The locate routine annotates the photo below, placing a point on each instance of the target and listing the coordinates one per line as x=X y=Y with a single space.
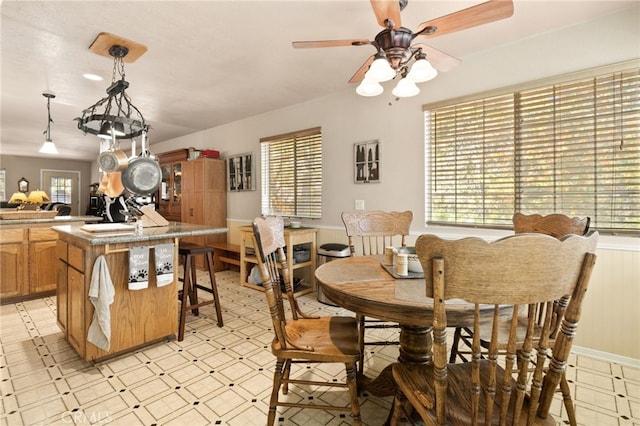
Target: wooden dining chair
x=369 y=233
x=301 y=338
x=556 y=225
x=502 y=386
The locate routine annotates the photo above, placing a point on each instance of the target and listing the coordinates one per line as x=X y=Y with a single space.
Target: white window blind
x=292 y=174
x=571 y=148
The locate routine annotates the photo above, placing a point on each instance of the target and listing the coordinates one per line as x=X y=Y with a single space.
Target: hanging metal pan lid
x=142 y=177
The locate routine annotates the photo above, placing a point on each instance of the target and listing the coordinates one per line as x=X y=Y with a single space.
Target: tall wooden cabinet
x=204 y=198
x=169 y=196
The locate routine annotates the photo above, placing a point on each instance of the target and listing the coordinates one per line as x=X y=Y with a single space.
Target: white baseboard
x=606 y=356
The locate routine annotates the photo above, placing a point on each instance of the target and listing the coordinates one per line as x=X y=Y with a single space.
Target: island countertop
x=51 y=221
x=173 y=230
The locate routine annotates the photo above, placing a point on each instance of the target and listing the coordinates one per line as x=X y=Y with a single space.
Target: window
x=61 y=189
x=569 y=147
x=292 y=174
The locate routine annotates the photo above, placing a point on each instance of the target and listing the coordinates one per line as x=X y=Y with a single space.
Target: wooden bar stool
x=190 y=284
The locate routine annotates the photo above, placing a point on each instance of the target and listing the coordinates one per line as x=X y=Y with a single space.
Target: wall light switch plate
x=359 y=204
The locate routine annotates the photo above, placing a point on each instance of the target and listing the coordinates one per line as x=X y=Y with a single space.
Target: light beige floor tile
x=223 y=375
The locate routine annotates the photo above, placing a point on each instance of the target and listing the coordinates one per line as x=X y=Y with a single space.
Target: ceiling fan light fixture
x=380 y=70
x=406 y=88
x=369 y=87
x=422 y=71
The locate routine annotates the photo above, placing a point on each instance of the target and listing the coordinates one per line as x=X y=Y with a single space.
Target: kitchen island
x=28 y=253
x=136 y=317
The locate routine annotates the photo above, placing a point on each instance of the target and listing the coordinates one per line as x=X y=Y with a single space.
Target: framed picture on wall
x=367 y=162
x=3 y=184
x=241 y=172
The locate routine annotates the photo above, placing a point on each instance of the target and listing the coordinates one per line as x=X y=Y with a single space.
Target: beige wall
x=347 y=118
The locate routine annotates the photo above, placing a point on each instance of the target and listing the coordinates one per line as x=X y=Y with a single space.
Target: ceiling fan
x=396 y=48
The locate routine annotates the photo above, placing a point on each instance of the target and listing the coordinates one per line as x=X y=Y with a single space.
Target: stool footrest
x=201 y=287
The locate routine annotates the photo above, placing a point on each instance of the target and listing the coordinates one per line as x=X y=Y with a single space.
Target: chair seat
x=504 y=325
x=417 y=382
x=190 y=248
x=313 y=333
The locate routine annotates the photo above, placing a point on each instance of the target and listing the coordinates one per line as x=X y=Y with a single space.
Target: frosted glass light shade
x=380 y=70
x=422 y=71
x=406 y=88
x=48 y=147
x=369 y=87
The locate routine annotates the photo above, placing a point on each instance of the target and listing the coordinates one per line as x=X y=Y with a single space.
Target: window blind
x=292 y=174
x=571 y=148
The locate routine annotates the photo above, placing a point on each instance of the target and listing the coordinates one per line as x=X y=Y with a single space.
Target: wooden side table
x=292 y=237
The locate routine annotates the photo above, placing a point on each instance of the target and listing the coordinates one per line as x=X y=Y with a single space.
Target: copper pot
x=114 y=160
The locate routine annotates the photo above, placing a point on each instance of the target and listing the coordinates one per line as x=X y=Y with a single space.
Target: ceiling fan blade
x=483 y=13
x=359 y=75
x=387 y=9
x=330 y=43
x=440 y=60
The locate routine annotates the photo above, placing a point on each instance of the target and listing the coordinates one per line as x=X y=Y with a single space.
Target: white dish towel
x=101 y=294
x=138 y=267
x=164 y=264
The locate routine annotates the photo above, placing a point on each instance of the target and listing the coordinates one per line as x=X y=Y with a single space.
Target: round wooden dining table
x=362 y=285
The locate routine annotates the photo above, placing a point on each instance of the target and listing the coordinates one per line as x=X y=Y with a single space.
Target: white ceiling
x=212 y=62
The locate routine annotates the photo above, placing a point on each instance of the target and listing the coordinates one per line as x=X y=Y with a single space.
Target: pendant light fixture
x=48 y=147
x=115 y=116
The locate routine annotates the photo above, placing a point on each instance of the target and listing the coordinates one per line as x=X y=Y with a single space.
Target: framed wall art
x=241 y=172
x=367 y=162
x=3 y=184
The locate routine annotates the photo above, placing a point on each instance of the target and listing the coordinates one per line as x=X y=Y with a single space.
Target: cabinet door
x=165 y=185
x=12 y=272
x=42 y=266
x=75 y=315
x=62 y=295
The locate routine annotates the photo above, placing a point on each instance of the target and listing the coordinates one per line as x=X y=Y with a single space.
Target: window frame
x=295 y=158
x=632 y=227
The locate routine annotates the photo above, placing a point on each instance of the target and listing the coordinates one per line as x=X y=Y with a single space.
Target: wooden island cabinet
x=137 y=317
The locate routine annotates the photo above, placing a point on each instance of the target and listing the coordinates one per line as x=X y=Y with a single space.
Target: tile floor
x=218 y=376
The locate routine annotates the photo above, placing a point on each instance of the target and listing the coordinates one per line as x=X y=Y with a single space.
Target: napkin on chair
x=138 y=267
x=101 y=294
x=164 y=264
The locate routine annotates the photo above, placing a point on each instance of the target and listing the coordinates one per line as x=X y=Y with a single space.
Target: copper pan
x=111 y=184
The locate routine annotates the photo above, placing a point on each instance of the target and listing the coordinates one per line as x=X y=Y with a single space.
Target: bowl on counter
x=295 y=224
